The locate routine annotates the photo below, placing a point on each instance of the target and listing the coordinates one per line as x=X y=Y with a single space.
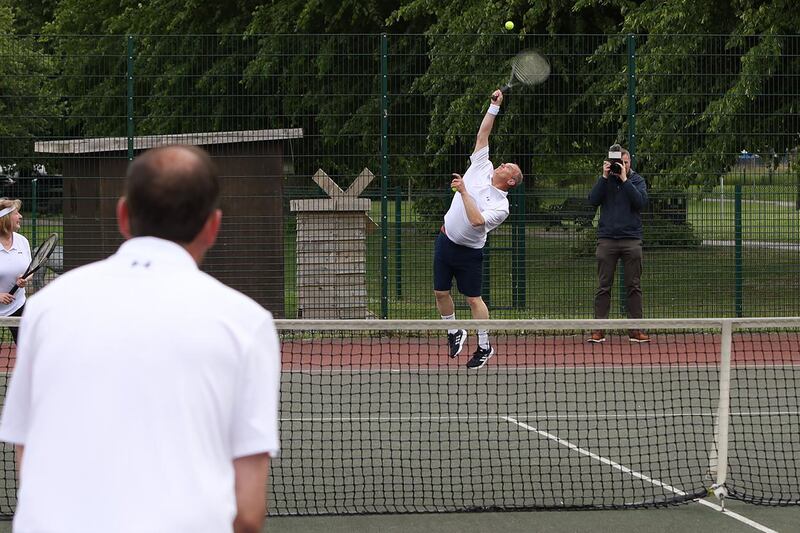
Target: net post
x=723 y=410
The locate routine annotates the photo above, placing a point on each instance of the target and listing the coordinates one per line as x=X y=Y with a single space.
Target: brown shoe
x=636 y=335
x=598 y=335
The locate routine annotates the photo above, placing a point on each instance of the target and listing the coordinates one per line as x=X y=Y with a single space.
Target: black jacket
x=621 y=205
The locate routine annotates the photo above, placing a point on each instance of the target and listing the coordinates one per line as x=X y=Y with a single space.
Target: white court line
x=737 y=516
x=638 y=475
x=490 y=418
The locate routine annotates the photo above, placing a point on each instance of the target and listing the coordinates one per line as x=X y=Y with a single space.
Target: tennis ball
x=509 y=25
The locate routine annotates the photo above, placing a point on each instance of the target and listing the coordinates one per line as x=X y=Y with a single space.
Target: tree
x=31 y=16
x=28 y=106
x=710 y=78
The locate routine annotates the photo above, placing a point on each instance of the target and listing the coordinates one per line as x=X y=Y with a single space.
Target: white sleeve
x=480 y=156
x=16 y=411
x=493 y=218
x=256 y=410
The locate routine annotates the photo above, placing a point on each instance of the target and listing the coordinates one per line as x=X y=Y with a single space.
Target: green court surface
x=685 y=518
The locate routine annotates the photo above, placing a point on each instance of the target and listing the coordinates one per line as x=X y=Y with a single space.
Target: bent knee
x=474 y=300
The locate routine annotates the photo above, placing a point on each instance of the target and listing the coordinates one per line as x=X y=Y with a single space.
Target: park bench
x=572 y=212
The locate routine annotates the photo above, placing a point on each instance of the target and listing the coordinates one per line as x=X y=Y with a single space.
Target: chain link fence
x=336 y=153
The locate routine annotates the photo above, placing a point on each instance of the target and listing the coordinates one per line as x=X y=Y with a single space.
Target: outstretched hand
x=457 y=185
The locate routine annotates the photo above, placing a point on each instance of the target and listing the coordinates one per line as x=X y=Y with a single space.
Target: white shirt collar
x=14 y=237
x=501 y=191
x=153 y=249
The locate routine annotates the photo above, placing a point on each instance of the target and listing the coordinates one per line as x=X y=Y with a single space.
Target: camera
x=615 y=158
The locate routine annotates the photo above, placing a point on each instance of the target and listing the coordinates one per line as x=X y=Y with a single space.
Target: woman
x=15 y=256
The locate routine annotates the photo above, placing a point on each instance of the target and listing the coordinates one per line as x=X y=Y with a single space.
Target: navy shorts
x=451 y=260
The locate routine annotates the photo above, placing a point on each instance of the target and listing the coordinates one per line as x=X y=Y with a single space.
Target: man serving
x=479 y=206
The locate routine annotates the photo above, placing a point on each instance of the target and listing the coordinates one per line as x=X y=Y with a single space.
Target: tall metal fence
x=336 y=154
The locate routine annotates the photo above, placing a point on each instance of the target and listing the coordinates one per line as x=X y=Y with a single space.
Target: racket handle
x=14 y=289
x=505 y=88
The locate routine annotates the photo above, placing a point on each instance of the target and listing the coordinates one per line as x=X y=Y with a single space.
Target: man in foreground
x=145 y=394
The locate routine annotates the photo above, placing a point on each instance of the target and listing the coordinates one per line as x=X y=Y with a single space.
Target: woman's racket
x=528 y=67
x=40 y=257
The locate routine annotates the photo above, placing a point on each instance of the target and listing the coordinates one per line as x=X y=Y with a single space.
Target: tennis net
x=376 y=418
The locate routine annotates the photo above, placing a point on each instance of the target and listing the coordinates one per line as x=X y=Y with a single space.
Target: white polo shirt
x=491 y=201
x=138 y=380
x=13 y=263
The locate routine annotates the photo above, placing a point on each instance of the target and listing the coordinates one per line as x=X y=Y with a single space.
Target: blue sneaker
x=480 y=357
x=456 y=342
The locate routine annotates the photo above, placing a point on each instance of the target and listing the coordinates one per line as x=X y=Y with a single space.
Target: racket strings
x=44 y=251
x=531 y=68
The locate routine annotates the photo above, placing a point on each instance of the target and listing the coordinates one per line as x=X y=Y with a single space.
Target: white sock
x=450 y=317
x=483 y=338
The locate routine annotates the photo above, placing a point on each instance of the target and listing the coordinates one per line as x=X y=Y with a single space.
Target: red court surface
x=519 y=350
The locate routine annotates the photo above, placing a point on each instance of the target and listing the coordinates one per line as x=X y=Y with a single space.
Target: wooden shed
x=249 y=254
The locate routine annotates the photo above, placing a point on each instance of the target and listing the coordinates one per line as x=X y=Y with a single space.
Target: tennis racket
x=40 y=257
x=528 y=67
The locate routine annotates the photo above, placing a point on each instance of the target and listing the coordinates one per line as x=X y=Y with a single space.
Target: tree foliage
x=710 y=77
x=28 y=105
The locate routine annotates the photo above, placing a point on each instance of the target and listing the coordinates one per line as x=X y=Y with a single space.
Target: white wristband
x=493 y=109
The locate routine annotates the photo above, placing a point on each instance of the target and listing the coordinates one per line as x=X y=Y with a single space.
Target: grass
x=758 y=175
x=560 y=282
x=45 y=225
x=677 y=282
x=762 y=220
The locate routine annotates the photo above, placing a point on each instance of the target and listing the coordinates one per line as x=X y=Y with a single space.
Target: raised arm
x=487 y=123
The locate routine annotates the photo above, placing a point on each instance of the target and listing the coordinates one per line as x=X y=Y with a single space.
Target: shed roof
x=120 y=144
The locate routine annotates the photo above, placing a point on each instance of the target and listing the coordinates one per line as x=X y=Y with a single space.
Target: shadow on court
x=690 y=517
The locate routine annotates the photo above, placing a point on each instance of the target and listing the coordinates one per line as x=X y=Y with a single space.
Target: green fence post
x=34 y=211
x=632 y=98
x=398 y=241
x=797 y=188
x=384 y=175
x=129 y=78
x=518 y=249
x=737 y=237
x=631 y=40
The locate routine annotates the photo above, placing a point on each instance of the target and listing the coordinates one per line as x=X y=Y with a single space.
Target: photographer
x=621 y=194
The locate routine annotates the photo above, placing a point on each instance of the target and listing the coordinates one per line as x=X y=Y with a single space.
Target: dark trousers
x=608 y=253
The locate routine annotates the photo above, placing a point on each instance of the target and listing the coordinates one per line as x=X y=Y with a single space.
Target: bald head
x=507 y=176
x=171 y=192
